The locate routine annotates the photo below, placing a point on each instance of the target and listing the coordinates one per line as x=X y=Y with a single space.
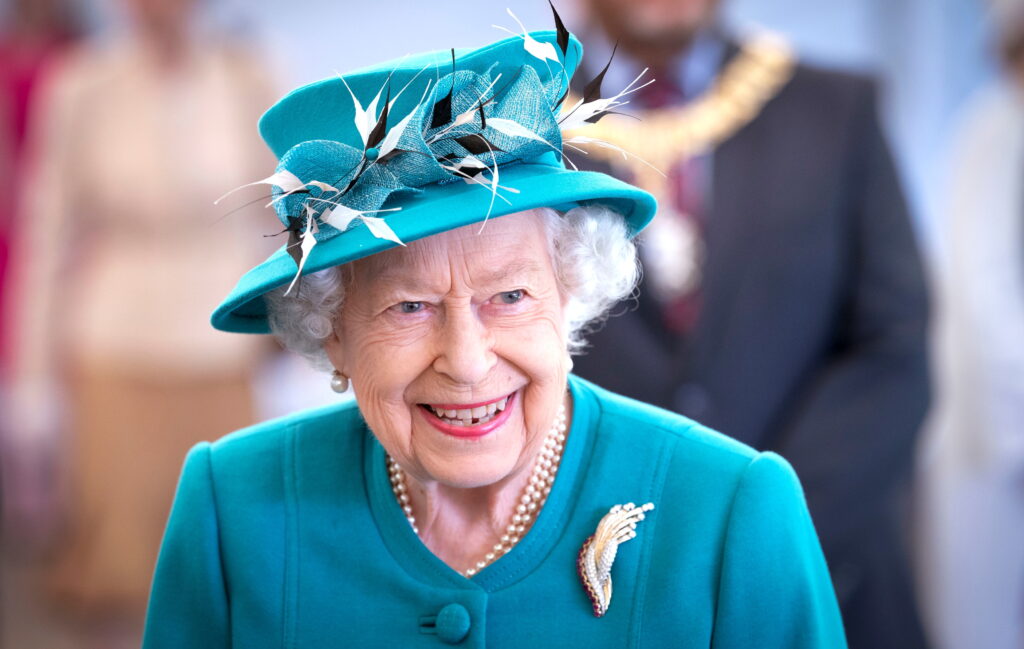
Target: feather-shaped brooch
x=594 y=562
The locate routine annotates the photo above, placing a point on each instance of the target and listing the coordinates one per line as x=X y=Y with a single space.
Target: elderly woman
x=475 y=493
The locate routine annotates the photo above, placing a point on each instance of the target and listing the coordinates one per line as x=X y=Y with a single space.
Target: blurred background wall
x=930 y=56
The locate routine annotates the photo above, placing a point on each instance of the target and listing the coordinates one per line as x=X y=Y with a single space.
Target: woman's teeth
x=470 y=416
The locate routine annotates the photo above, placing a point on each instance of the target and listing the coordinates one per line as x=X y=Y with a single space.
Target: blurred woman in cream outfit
x=971 y=496
x=135 y=142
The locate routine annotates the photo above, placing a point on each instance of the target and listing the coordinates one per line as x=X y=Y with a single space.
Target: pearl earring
x=339 y=382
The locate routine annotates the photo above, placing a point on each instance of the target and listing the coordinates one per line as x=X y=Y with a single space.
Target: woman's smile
x=469 y=420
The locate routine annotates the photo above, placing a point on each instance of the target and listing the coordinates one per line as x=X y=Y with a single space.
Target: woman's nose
x=465 y=353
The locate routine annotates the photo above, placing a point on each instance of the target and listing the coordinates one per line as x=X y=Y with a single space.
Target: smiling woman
x=475 y=492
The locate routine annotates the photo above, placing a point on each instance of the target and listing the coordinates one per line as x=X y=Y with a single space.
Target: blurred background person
x=783 y=299
x=971 y=484
x=131 y=142
x=34 y=33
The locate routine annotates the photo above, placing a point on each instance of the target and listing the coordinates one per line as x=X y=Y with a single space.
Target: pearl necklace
x=534 y=495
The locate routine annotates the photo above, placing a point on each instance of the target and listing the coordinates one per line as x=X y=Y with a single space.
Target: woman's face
x=437 y=336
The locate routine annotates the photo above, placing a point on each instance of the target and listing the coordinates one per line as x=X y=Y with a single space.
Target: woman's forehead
x=510 y=246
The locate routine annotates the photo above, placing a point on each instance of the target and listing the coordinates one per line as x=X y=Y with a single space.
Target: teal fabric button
x=453 y=623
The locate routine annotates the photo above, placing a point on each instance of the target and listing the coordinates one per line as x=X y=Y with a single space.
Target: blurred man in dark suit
x=783 y=300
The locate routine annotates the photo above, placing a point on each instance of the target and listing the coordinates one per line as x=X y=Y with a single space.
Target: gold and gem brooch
x=595 y=559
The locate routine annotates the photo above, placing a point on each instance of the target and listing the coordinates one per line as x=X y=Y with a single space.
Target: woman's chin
x=470 y=473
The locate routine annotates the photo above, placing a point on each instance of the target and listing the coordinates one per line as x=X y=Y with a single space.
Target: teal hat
x=407 y=149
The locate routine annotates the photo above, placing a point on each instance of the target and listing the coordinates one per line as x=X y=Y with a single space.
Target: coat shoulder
x=630 y=423
x=268 y=440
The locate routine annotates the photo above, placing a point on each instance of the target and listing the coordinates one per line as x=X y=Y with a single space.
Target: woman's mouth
x=469 y=416
x=469 y=420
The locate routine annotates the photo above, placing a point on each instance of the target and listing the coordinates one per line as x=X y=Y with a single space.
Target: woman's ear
x=334 y=348
x=334 y=345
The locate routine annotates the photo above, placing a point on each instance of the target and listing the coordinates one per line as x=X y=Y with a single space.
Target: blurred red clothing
x=23 y=62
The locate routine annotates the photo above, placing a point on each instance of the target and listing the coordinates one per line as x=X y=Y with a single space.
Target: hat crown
x=401 y=126
x=324 y=110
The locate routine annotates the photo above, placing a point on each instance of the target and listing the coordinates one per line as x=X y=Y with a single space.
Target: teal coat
x=288 y=535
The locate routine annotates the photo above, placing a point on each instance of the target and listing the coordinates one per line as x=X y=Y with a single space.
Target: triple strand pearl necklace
x=534 y=495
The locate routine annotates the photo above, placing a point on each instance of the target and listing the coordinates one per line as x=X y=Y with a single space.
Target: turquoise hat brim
x=437 y=208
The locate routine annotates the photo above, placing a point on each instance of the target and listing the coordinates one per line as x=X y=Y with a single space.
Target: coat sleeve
x=852 y=431
x=188 y=606
x=774 y=587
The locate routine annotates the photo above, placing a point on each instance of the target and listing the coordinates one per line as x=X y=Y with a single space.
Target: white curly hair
x=595 y=264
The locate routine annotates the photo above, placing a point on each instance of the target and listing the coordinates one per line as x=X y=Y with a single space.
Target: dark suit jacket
x=811 y=338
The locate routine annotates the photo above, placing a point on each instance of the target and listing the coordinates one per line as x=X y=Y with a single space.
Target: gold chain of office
x=664 y=136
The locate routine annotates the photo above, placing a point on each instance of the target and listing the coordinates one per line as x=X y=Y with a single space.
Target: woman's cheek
x=387 y=415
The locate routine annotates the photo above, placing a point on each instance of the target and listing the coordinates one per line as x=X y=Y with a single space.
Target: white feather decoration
x=391 y=139
x=306 y=246
x=340 y=216
x=364 y=118
x=513 y=128
x=582 y=139
x=542 y=51
x=286 y=180
x=380 y=229
x=322 y=186
x=577 y=116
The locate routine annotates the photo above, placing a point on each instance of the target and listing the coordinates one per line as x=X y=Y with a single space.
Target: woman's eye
x=510 y=297
x=410 y=307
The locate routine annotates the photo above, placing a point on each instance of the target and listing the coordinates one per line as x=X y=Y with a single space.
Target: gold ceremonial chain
x=665 y=136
